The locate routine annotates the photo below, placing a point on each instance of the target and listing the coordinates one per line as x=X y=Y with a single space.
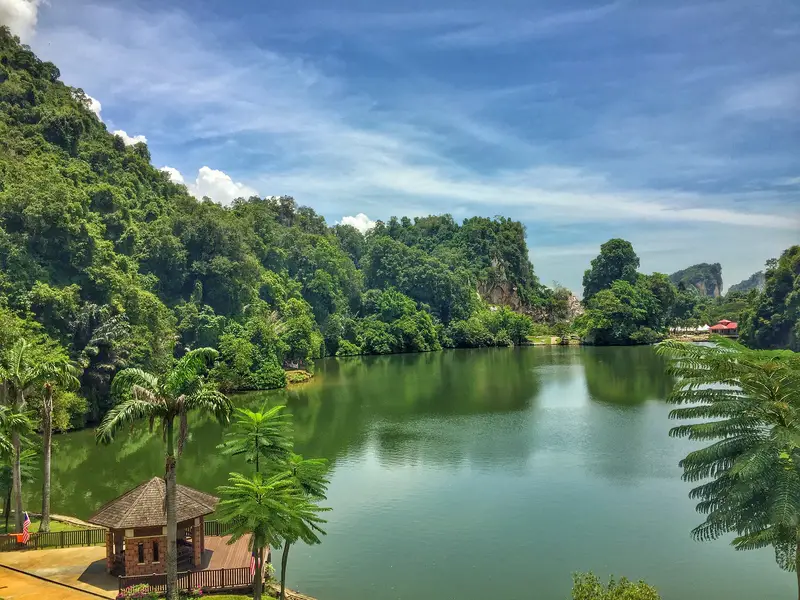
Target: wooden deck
x=220 y=555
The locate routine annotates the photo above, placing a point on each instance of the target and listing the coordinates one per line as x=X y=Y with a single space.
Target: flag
x=253 y=563
x=26 y=525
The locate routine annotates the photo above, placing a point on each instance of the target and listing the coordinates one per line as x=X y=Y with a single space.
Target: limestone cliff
x=705 y=277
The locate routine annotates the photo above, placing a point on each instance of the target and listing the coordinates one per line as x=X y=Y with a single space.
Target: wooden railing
x=216 y=528
x=212 y=580
x=55 y=539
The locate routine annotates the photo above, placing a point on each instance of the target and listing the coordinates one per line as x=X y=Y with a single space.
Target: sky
x=673 y=124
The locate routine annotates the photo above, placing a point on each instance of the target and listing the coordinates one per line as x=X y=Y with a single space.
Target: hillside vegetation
x=705 y=278
x=102 y=256
x=754 y=282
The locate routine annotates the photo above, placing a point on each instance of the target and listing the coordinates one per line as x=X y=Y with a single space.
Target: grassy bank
x=35 y=523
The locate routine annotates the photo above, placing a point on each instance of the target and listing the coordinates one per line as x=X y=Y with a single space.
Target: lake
x=469 y=474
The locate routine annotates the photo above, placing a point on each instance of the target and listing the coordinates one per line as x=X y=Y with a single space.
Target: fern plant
x=745 y=405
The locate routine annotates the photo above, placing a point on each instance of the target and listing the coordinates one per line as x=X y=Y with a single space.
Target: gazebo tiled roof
x=144 y=506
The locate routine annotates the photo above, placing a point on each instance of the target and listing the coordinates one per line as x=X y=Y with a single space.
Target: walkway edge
x=66 y=585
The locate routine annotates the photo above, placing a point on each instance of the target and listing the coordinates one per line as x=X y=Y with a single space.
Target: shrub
x=348 y=349
x=141 y=591
x=269 y=376
x=587 y=586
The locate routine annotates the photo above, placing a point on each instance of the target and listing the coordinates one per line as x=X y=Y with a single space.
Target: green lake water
x=470 y=474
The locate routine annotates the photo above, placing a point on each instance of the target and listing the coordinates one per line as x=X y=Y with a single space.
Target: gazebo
x=136 y=539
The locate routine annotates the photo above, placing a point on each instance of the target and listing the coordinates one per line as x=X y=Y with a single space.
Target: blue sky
x=673 y=124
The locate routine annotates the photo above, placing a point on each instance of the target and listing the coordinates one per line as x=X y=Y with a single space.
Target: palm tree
x=749 y=405
x=262 y=507
x=164 y=399
x=260 y=436
x=309 y=477
x=9 y=422
x=20 y=375
x=59 y=373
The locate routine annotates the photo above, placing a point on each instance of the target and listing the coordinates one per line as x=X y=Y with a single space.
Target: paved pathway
x=81 y=567
x=18 y=586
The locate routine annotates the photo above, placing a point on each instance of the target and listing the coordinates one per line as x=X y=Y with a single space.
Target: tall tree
x=749 y=404
x=24 y=368
x=262 y=437
x=66 y=375
x=167 y=399
x=260 y=507
x=309 y=478
x=616 y=260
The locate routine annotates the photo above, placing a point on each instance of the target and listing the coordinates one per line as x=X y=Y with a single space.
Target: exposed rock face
x=504 y=293
x=705 y=277
x=501 y=293
x=575 y=307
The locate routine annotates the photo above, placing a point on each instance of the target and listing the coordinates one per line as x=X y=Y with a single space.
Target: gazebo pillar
x=197 y=542
x=109 y=551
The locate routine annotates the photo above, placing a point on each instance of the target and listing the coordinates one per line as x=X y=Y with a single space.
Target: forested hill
x=706 y=278
x=756 y=281
x=102 y=253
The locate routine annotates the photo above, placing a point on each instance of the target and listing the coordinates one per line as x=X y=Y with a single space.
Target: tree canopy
x=616 y=261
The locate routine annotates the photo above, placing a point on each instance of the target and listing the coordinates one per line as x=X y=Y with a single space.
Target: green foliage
x=587 y=586
x=623 y=314
x=616 y=261
x=746 y=404
x=278 y=504
x=704 y=278
x=773 y=320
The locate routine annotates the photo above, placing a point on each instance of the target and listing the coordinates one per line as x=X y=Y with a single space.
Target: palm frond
x=126 y=413
x=127 y=378
x=210 y=400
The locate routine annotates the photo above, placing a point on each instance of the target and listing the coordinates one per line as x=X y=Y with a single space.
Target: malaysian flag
x=253 y=563
x=26 y=525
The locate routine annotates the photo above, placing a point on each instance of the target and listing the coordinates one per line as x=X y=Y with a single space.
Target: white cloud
x=213 y=183
x=128 y=139
x=361 y=222
x=94 y=104
x=20 y=16
x=174 y=175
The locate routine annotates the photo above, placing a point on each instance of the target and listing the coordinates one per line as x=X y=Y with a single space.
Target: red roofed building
x=725 y=327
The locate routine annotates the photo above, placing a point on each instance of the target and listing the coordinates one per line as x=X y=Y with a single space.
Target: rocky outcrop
x=705 y=277
x=504 y=293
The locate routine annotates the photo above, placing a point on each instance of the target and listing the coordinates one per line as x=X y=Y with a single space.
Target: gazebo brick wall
x=148 y=567
x=109 y=550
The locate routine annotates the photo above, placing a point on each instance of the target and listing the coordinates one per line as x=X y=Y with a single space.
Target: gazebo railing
x=209 y=580
x=216 y=528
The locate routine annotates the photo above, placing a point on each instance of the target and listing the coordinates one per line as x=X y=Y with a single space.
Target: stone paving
x=81 y=567
x=18 y=586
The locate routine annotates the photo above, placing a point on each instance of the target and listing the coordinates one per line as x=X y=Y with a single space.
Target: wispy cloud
x=512 y=28
x=774 y=96
x=618 y=140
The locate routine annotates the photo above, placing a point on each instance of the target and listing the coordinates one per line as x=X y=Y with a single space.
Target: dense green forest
x=106 y=260
x=706 y=278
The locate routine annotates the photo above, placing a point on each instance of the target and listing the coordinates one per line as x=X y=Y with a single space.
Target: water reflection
x=625 y=376
x=482 y=409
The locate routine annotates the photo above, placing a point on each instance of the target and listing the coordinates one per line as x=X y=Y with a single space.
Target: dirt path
x=18 y=586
